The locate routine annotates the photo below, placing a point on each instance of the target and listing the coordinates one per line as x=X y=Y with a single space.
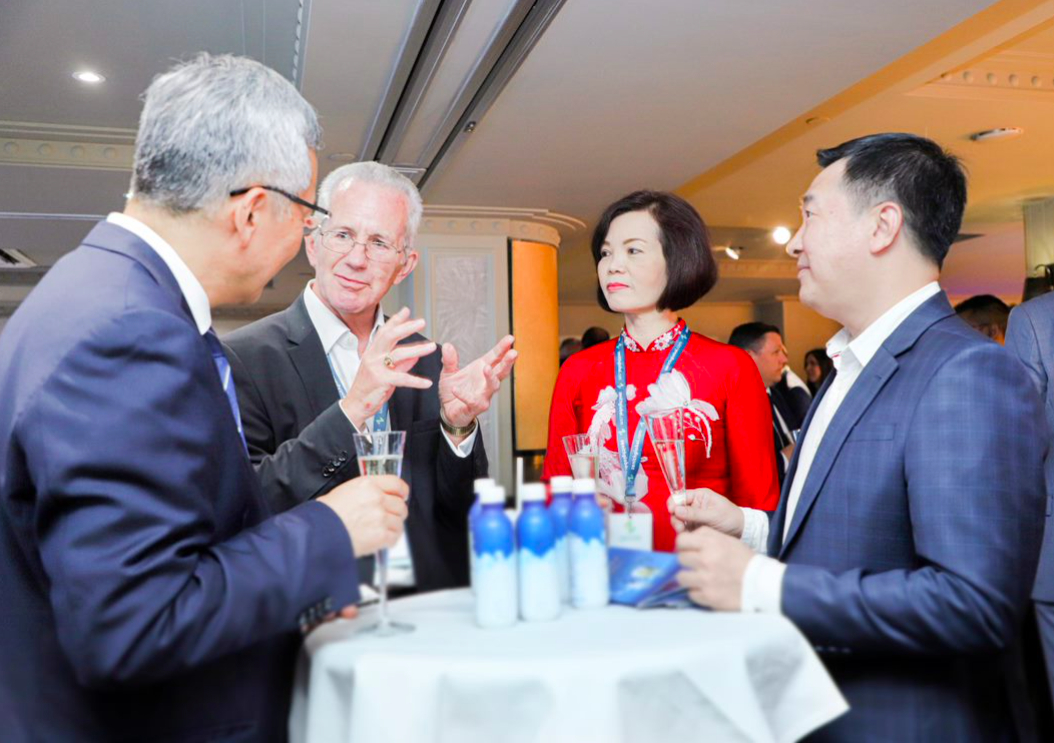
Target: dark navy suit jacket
x=146 y=595
x=913 y=547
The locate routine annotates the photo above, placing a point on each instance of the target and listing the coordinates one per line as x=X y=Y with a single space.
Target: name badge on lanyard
x=630 y=458
x=379 y=422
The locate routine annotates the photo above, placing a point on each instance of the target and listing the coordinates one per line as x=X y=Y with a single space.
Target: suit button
x=327 y=471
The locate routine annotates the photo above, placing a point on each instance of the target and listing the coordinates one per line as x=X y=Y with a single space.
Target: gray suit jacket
x=1030 y=337
x=300 y=440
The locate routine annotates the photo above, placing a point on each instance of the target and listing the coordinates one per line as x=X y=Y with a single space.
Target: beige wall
x=713 y=319
x=802 y=328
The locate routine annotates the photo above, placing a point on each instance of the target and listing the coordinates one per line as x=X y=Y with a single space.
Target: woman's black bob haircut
x=691 y=270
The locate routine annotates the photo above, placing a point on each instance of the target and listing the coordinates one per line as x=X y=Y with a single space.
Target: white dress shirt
x=192 y=290
x=763 y=580
x=342 y=351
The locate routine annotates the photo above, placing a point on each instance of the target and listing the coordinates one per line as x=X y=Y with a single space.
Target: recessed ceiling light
x=89 y=77
x=781 y=235
x=1002 y=132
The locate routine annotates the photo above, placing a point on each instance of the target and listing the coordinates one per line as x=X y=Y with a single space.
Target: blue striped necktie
x=223 y=367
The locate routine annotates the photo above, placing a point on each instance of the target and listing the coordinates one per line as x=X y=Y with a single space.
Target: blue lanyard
x=380 y=420
x=630 y=460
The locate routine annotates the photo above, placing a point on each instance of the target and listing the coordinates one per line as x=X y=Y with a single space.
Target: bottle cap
x=583 y=485
x=532 y=492
x=492 y=495
x=480 y=483
x=560 y=484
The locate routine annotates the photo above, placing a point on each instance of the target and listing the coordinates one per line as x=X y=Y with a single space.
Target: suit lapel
x=863 y=392
x=309 y=359
x=872 y=379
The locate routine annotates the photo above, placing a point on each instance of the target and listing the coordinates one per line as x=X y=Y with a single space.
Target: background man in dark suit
x=764 y=344
x=146 y=593
x=986 y=314
x=905 y=544
x=310 y=376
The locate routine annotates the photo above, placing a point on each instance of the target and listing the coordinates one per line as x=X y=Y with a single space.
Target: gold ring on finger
x=389 y=361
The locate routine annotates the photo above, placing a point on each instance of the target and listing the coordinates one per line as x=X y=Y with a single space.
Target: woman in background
x=652 y=254
x=817 y=366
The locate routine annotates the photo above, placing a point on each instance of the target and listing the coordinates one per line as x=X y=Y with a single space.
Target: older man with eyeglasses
x=331 y=364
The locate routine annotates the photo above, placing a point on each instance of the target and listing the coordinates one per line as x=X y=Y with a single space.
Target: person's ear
x=245 y=213
x=311 y=246
x=887 y=221
x=408 y=266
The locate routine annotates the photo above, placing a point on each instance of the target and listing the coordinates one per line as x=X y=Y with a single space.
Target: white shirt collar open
x=330 y=328
x=863 y=347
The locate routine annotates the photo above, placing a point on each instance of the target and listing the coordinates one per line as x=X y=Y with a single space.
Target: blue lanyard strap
x=380 y=419
x=630 y=459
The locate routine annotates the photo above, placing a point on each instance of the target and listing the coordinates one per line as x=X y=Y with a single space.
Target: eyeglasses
x=295 y=199
x=342 y=241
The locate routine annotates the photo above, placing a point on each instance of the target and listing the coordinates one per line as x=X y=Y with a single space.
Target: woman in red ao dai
x=653 y=258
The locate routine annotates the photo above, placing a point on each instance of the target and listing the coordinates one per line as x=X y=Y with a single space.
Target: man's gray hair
x=216 y=124
x=380 y=174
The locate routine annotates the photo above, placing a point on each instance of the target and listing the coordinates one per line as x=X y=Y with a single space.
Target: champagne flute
x=381 y=453
x=666 y=430
x=582 y=455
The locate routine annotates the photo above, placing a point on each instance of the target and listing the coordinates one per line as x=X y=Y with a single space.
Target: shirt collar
x=863 y=347
x=661 y=343
x=329 y=327
x=193 y=291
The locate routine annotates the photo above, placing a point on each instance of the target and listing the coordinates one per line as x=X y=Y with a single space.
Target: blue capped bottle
x=539 y=574
x=477 y=485
x=560 y=513
x=494 y=546
x=590 y=587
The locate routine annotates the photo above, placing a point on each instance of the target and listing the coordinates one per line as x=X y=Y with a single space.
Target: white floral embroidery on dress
x=610 y=481
x=671 y=392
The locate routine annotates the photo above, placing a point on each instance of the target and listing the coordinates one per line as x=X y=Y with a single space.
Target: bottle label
x=590 y=586
x=496 y=590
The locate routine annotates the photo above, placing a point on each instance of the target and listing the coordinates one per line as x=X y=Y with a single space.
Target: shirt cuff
x=465 y=447
x=762 y=586
x=345 y=412
x=755 y=529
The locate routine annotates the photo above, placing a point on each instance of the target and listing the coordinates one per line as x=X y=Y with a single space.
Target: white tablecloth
x=612 y=674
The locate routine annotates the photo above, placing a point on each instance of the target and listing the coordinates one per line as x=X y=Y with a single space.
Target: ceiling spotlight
x=89 y=77
x=1002 y=132
x=781 y=235
x=732 y=253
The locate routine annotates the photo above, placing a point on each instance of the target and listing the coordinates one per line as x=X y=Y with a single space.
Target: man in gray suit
x=312 y=375
x=1030 y=336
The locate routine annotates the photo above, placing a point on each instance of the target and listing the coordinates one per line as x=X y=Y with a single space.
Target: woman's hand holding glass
x=704 y=507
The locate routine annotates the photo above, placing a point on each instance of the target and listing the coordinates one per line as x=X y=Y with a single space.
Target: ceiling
x=598 y=99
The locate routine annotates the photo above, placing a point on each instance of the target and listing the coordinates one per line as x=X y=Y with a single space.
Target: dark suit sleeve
x=973 y=470
x=142 y=582
x=453 y=487
x=296 y=470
